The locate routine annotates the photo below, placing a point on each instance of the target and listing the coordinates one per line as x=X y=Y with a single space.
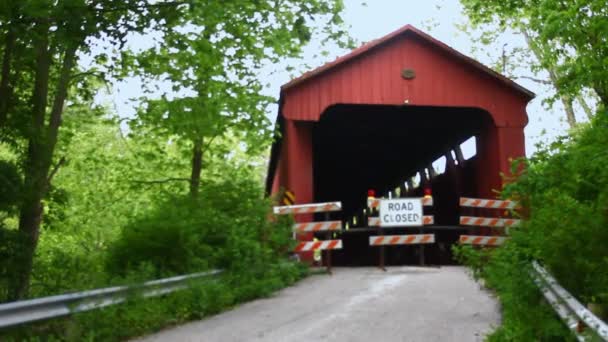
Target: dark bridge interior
x=361 y=147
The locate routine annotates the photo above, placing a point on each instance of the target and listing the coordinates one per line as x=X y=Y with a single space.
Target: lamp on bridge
x=428 y=192
x=371 y=194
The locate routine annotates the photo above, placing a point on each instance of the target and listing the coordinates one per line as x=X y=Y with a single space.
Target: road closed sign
x=401 y=212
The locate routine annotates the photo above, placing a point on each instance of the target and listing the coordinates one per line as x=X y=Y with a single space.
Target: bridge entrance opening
x=381 y=147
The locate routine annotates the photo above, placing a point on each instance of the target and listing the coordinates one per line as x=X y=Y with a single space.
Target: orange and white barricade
x=382 y=240
x=414 y=239
x=306 y=246
x=482 y=240
x=489 y=222
x=308 y=208
x=487 y=203
x=313 y=227
x=307 y=227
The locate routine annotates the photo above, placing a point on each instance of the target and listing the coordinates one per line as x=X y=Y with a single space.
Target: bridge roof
x=372 y=74
x=407 y=29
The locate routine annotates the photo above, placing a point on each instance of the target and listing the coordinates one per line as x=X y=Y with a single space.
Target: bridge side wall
x=496 y=147
x=295 y=169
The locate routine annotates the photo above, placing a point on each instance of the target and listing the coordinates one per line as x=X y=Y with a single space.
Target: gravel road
x=358 y=304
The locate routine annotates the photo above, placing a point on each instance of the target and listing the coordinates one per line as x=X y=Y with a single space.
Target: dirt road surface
x=358 y=304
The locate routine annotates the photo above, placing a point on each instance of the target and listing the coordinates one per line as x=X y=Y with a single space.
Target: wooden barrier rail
x=308 y=208
x=487 y=203
x=306 y=246
x=401 y=239
x=307 y=227
x=482 y=240
x=487 y=221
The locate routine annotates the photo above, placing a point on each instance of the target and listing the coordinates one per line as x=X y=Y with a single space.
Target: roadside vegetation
x=92 y=198
x=564 y=193
x=563 y=187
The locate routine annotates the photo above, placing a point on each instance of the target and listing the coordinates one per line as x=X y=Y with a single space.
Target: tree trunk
x=566 y=99
x=197 y=165
x=30 y=213
x=585 y=106
x=5 y=90
x=40 y=155
x=603 y=95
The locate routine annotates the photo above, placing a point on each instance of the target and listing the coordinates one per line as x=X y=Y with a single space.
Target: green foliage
x=10 y=184
x=209 y=52
x=564 y=191
x=569 y=37
x=226 y=227
x=113 y=226
x=115 y=215
x=10 y=254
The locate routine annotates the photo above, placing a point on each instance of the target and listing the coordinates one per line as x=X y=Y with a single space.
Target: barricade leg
x=328 y=251
x=381 y=251
x=421 y=249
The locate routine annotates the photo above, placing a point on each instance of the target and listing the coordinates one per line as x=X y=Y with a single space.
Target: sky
x=373 y=19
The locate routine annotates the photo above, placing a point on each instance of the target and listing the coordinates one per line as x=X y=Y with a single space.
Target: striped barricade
x=307 y=227
x=307 y=246
x=374 y=203
x=488 y=221
x=478 y=240
x=312 y=227
x=487 y=203
x=308 y=208
x=426 y=220
x=416 y=239
x=491 y=222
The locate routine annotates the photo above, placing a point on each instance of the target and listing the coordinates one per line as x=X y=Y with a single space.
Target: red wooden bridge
x=384 y=113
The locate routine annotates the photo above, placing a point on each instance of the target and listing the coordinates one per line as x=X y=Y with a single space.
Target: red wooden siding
x=375 y=78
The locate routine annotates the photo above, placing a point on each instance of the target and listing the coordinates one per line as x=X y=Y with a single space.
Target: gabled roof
x=405 y=30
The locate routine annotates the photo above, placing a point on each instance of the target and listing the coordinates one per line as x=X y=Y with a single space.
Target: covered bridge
x=384 y=113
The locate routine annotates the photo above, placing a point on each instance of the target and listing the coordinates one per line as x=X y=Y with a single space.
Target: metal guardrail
x=31 y=310
x=570 y=310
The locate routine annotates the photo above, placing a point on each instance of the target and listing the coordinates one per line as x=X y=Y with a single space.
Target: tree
x=40 y=76
x=568 y=38
x=47 y=37
x=533 y=56
x=223 y=85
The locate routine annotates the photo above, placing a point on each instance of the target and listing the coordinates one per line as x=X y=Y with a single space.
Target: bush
x=227 y=226
x=564 y=190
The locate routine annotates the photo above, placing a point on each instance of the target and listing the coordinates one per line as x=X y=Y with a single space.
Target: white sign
x=401 y=212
